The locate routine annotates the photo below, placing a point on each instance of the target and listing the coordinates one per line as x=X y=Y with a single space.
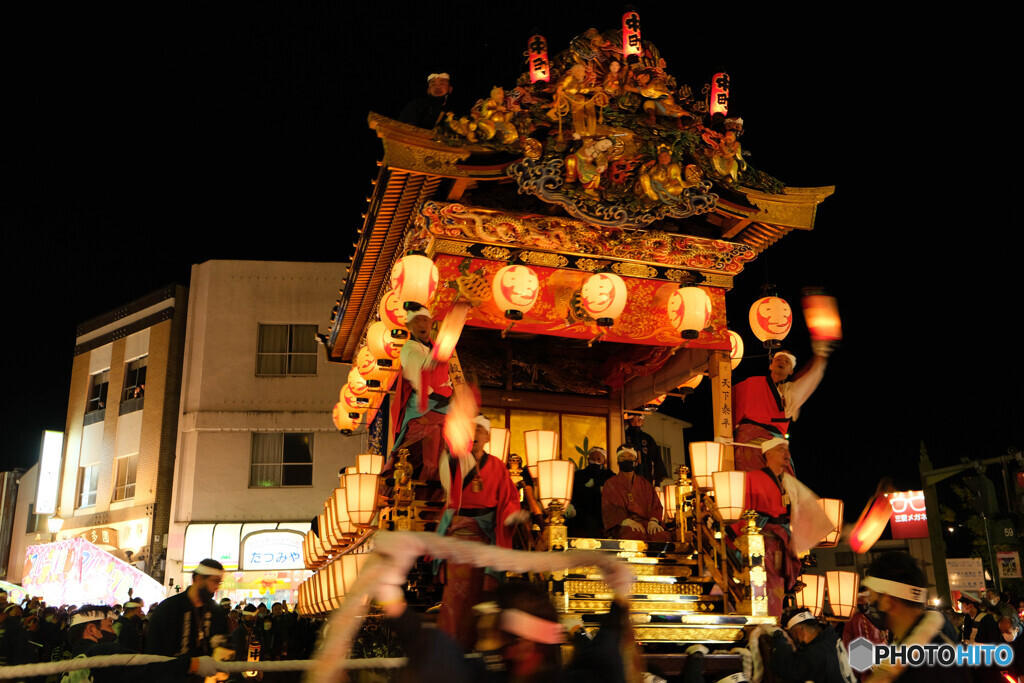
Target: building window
x=88 y=482
x=281 y=460
x=286 y=350
x=97 y=392
x=134 y=385
x=124 y=477
x=33 y=520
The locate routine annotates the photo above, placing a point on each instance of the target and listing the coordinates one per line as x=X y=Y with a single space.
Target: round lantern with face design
x=735 y=348
x=392 y=314
x=603 y=297
x=414 y=281
x=379 y=343
x=342 y=420
x=689 y=311
x=771 y=319
x=515 y=290
x=366 y=365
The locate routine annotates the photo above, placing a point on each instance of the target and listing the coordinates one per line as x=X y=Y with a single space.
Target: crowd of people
x=189 y=627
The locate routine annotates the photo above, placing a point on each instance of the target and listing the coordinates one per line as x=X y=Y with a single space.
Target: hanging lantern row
x=326 y=590
x=347 y=511
x=414 y=281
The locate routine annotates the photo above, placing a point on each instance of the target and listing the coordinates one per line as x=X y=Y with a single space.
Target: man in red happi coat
x=630 y=507
x=483 y=506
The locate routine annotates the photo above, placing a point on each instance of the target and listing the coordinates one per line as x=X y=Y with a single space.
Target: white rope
x=51 y=668
x=397 y=550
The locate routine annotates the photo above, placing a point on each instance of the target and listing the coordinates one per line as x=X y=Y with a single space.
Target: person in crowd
x=650 y=464
x=92 y=634
x=765 y=405
x=247 y=640
x=998 y=605
x=128 y=626
x=586 y=495
x=819 y=655
x=630 y=508
x=14 y=643
x=897 y=591
x=983 y=627
x=482 y=506
x=858 y=626
x=187 y=623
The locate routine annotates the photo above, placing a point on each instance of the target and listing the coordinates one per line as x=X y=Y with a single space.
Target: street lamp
x=54 y=525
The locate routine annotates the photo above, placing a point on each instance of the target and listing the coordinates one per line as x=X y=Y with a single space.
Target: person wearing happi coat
x=482 y=506
x=789 y=519
x=765 y=405
x=422 y=399
x=630 y=508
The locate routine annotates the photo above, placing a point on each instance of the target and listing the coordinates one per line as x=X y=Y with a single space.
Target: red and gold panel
x=559 y=313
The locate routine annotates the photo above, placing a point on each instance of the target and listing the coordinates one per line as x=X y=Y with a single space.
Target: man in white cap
x=422 y=399
x=819 y=656
x=630 y=507
x=91 y=634
x=425 y=112
x=764 y=405
x=483 y=506
x=188 y=623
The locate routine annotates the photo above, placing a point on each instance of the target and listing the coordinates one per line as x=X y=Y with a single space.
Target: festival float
x=575 y=236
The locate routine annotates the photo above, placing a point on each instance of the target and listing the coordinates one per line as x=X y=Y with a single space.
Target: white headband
x=788 y=355
x=206 y=570
x=799 y=617
x=483 y=422
x=412 y=315
x=440 y=75
x=772 y=443
x=88 y=617
x=895 y=589
x=533 y=628
x=625 y=449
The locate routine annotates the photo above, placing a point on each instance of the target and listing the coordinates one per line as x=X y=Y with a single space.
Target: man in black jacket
x=819 y=655
x=184 y=624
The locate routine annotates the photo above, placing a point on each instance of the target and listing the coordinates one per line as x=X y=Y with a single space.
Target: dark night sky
x=146 y=140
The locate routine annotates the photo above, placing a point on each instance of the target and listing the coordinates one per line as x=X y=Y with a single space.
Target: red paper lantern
x=351 y=402
x=735 y=348
x=718 y=103
x=537 y=59
x=689 y=311
x=821 y=313
x=449 y=333
x=342 y=421
x=381 y=345
x=771 y=318
x=603 y=297
x=515 y=290
x=414 y=281
x=631 y=34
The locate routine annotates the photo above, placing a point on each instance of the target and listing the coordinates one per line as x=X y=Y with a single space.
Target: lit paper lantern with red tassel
x=735 y=348
x=392 y=314
x=537 y=59
x=689 y=311
x=771 y=318
x=515 y=290
x=449 y=332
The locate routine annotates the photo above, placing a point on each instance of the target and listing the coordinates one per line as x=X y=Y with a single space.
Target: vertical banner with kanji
x=720 y=374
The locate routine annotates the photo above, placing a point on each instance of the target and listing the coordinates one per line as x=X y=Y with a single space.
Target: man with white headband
x=91 y=634
x=630 y=507
x=820 y=655
x=764 y=405
x=189 y=623
x=422 y=399
x=425 y=112
x=482 y=506
x=128 y=626
x=897 y=593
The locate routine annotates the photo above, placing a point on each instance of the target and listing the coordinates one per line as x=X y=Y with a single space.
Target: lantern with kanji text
x=631 y=45
x=537 y=59
x=718 y=102
x=603 y=297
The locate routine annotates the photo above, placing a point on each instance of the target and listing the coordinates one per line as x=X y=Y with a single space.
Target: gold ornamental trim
x=717 y=280
x=540 y=258
x=496 y=253
x=588 y=264
x=683 y=633
x=585 y=544
x=452 y=247
x=634 y=270
x=681 y=276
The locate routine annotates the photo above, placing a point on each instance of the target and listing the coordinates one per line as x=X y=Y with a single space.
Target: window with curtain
x=281 y=460
x=286 y=350
x=124 y=477
x=88 y=483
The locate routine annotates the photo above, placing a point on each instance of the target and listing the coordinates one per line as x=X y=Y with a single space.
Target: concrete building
x=113 y=483
x=257 y=450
